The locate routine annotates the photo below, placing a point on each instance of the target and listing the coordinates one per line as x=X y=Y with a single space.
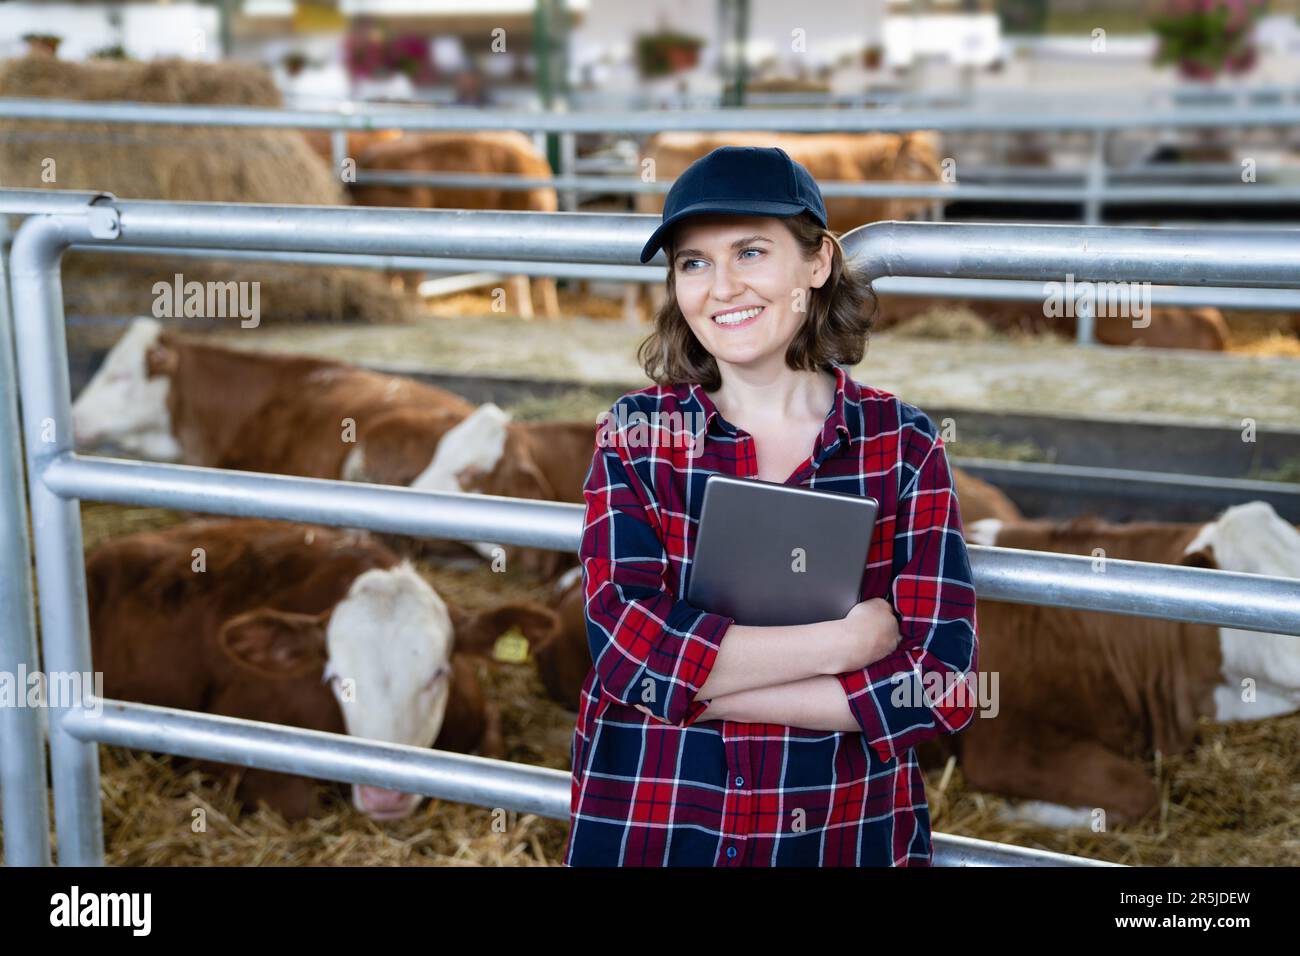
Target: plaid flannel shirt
x=668 y=790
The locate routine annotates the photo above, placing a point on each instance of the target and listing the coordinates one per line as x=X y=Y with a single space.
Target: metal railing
x=1095 y=190
x=58 y=478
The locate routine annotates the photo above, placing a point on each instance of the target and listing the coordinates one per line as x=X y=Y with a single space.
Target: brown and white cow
x=166 y=397
x=486 y=152
x=358 y=141
x=295 y=624
x=1086 y=697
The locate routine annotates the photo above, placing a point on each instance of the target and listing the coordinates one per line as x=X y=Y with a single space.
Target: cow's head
x=483 y=455
x=917 y=157
x=395 y=445
x=915 y=160
x=385 y=652
x=1252 y=539
x=124 y=406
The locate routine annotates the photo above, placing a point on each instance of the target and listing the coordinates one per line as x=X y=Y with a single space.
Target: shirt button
x=740 y=781
x=731 y=852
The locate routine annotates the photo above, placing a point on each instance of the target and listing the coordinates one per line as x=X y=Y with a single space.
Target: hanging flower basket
x=370 y=54
x=1205 y=38
x=662 y=54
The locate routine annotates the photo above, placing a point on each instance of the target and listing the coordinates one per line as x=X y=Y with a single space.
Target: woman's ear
x=822 y=263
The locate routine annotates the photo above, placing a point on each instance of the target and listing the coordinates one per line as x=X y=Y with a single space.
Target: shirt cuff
x=869 y=689
x=709 y=630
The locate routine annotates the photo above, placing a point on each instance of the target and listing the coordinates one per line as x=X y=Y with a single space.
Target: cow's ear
x=276 y=643
x=476 y=632
x=1201 y=558
x=161 y=358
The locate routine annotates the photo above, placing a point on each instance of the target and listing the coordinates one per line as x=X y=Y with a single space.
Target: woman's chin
x=746 y=357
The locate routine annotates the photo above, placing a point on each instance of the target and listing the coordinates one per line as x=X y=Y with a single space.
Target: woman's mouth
x=739 y=318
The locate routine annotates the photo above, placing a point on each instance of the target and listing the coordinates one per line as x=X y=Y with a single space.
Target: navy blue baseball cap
x=741 y=181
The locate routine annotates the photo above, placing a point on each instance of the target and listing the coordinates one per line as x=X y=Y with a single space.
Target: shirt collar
x=836 y=423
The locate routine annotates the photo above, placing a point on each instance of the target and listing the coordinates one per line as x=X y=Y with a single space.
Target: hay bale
x=184 y=164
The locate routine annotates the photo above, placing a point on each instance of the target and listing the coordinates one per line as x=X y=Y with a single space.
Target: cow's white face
x=389 y=643
x=473 y=447
x=121 y=407
x=984 y=531
x=1252 y=539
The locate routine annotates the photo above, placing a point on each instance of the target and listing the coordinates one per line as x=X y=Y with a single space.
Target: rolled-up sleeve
x=648 y=647
x=926 y=686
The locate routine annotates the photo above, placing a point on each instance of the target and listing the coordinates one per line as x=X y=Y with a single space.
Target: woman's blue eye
x=686 y=263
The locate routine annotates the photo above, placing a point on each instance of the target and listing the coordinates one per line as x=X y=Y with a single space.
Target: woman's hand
x=868 y=632
x=712 y=712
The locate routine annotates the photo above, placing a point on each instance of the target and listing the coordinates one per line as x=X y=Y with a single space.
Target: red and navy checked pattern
x=669 y=791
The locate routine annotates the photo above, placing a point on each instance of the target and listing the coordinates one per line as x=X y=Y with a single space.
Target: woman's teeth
x=735 y=318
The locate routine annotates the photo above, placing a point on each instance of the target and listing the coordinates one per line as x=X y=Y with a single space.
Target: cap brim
x=747 y=207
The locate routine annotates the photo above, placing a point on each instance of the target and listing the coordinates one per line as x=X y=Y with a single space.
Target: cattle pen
x=58 y=478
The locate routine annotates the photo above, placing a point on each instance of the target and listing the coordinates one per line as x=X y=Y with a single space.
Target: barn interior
x=1029 y=390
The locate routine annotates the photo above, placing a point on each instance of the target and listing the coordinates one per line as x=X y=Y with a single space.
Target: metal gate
x=58 y=478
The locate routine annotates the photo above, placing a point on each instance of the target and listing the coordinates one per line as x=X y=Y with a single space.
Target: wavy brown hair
x=840 y=316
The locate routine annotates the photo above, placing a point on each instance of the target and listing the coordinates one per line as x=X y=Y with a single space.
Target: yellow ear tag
x=511 y=647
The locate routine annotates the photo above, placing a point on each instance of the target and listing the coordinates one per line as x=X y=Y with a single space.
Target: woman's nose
x=725 y=284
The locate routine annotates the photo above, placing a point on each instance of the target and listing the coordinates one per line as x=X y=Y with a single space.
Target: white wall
x=146 y=30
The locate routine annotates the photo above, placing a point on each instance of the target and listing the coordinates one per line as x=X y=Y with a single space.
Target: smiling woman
x=702 y=742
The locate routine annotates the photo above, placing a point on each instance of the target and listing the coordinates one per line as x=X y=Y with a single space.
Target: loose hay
x=185 y=164
x=476 y=302
x=571 y=405
x=1275 y=344
x=1232 y=800
x=952 y=323
x=1257 y=332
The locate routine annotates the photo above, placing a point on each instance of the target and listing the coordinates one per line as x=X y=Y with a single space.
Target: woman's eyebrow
x=735 y=245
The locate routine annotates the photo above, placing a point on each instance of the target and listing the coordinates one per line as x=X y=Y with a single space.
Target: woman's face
x=743 y=285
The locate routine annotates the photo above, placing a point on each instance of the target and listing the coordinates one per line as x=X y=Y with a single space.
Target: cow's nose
x=385 y=804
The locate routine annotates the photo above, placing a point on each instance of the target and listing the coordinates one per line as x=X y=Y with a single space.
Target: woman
x=701 y=742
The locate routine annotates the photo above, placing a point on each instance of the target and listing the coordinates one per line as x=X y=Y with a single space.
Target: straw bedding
x=184 y=164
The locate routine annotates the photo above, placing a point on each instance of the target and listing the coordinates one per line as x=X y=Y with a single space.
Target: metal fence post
x=568 y=166
x=23 y=794
x=56 y=522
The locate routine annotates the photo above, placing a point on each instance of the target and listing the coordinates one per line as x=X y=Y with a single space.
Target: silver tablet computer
x=768 y=554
